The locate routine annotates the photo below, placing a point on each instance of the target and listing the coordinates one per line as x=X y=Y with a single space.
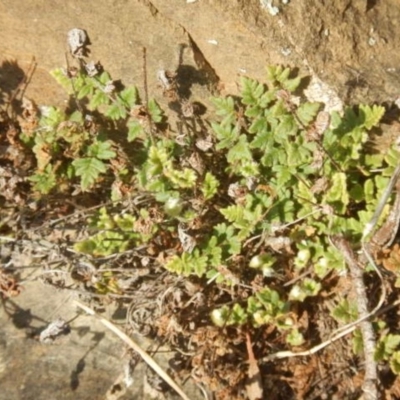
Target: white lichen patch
x=273 y=10
x=319 y=91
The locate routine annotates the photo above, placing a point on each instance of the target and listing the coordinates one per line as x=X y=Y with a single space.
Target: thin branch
x=371 y=375
x=254 y=384
x=145 y=356
x=146 y=94
x=382 y=202
x=309 y=352
x=75 y=96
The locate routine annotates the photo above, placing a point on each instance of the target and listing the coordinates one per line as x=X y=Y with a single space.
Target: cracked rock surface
x=350 y=45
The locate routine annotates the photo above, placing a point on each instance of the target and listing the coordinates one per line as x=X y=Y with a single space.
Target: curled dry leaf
x=322 y=122
x=204 y=144
x=320 y=185
x=168 y=83
x=93 y=68
x=196 y=162
x=9 y=287
x=188 y=242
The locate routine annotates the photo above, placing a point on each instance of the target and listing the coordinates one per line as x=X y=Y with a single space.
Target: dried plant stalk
x=146 y=357
x=371 y=376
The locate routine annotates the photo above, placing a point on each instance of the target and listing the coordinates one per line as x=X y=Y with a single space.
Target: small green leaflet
x=263 y=140
x=129 y=96
x=345 y=311
x=186 y=178
x=62 y=78
x=259 y=125
x=287 y=127
x=307 y=288
x=101 y=150
x=234 y=213
x=210 y=186
x=44 y=181
x=252 y=90
x=338 y=190
x=188 y=264
x=116 y=110
x=51 y=117
x=98 y=99
x=227 y=235
x=225 y=108
x=85 y=91
x=386 y=347
x=395 y=362
x=155 y=111
x=372 y=115
x=240 y=151
x=278 y=74
x=307 y=112
x=89 y=170
x=105 y=77
x=135 y=129
x=291 y=84
x=77 y=117
x=213 y=252
x=227 y=135
x=295 y=338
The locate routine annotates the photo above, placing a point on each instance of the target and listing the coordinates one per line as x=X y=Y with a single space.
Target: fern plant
x=77 y=145
x=303 y=179
x=288 y=176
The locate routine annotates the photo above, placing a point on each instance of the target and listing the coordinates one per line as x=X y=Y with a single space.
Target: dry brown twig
x=254 y=386
x=146 y=94
x=145 y=356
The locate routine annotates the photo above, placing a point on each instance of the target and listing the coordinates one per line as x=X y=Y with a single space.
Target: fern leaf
x=233 y=213
x=105 y=77
x=62 y=79
x=251 y=91
x=101 y=150
x=227 y=135
x=135 y=130
x=116 y=110
x=129 y=96
x=155 y=111
x=263 y=140
x=225 y=107
x=210 y=186
x=307 y=112
x=85 y=91
x=286 y=127
x=185 y=178
x=291 y=84
x=99 y=98
x=283 y=76
x=240 y=151
x=387 y=346
x=372 y=115
x=338 y=193
x=44 y=181
x=258 y=125
x=89 y=170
